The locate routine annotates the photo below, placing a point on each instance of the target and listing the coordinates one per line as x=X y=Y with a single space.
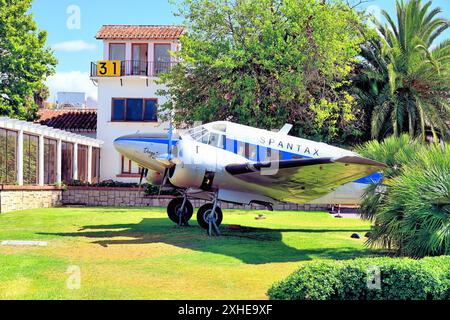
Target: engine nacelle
x=155 y=178
x=186 y=176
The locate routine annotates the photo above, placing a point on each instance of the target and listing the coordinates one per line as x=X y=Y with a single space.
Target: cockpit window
x=214 y=137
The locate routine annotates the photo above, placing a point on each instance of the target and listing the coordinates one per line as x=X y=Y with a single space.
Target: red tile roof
x=140 y=32
x=73 y=120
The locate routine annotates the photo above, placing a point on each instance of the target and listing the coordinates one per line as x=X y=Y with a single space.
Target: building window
x=95 y=176
x=67 y=150
x=50 y=162
x=83 y=163
x=162 y=58
x=134 y=110
x=8 y=154
x=129 y=167
x=117 y=51
x=30 y=159
x=140 y=59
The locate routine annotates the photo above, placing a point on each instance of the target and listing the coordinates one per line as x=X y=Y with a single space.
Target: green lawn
x=139 y=254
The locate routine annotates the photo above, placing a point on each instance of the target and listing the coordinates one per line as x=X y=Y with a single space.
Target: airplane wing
x=303 y=180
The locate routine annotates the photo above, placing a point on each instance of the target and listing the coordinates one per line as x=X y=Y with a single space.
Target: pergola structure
x=33 y=154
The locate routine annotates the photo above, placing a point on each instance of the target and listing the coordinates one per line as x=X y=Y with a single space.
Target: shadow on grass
x=250 y=245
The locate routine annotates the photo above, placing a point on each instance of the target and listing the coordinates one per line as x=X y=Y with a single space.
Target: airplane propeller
x=144 y=173
x=169 y=146
x=169 y=156
x=165 y=179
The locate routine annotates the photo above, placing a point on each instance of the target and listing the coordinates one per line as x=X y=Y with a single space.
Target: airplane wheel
x=204 y=212
x=175 y=205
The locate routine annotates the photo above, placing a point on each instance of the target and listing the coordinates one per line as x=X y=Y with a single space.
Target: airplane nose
x=126 y=146
x=120 y=145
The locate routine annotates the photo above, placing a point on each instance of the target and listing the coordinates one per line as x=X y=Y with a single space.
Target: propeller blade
x=142 y=177
x=166 y=177
x=169 y=151
x=144 y=173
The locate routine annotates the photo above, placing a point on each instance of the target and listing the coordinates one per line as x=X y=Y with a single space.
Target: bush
x=149 y=189
x=104 y=184
x=400 y=279
x=411 y=206
x=414 y=217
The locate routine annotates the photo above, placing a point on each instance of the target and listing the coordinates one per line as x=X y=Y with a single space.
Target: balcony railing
x=138 y=68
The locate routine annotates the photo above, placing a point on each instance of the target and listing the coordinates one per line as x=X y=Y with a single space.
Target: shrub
x=149 y=189
x=411 y=206
x=414 y=217
x=400 y=279
x=104 y=184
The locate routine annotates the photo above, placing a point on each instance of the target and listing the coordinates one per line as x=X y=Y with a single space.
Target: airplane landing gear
x=210 y=217
x=180 y=211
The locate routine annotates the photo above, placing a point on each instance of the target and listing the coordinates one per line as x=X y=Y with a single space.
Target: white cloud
x=74 y=46
x=73 y=81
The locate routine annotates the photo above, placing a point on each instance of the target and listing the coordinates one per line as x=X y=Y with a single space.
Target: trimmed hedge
x=401 y=279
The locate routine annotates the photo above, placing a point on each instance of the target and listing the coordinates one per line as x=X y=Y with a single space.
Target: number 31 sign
x=108 y=68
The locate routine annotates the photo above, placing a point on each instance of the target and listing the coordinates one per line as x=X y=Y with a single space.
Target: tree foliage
x=395 y=152
x=25 y=61
x=267 y=62
x=405 y=73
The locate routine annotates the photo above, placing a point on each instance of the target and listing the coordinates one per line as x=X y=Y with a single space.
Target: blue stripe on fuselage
x=159 y=141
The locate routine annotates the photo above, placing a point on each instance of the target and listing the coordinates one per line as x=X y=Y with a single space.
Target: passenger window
x=241 y=149
x=253 y=152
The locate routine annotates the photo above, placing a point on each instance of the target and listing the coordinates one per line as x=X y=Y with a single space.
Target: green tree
x=267 y=62
x=404 y=79
x=25 y=61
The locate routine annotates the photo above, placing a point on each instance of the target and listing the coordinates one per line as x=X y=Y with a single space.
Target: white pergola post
x=41 y=160
x=89 y=166
x=59 y=162
x=75 y=162
x=20 y=158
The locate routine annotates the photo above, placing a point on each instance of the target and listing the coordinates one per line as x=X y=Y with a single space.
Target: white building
x=133 y=57
x=71 y=99
x=37 y=155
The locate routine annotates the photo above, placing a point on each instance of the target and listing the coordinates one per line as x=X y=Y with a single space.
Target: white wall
x=130 y=87
x=107 y=131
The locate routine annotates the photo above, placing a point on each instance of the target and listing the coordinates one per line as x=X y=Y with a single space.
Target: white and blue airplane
x=232 y=163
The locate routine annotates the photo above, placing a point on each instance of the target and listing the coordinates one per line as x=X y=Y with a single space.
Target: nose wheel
x=180 y=211
x=210 y=217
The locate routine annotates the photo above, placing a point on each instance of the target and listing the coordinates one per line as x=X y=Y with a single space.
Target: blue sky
x=76 y=47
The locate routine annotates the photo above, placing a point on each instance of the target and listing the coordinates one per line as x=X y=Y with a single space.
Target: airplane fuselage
x=197 y=160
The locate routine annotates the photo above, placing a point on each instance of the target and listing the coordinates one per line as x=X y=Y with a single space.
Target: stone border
x=136 y=197
x=15 y=199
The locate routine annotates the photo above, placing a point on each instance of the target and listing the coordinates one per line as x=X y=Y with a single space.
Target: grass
x=140 y=254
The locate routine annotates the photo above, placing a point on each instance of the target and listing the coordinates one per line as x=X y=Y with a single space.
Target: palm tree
x=404 y=79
